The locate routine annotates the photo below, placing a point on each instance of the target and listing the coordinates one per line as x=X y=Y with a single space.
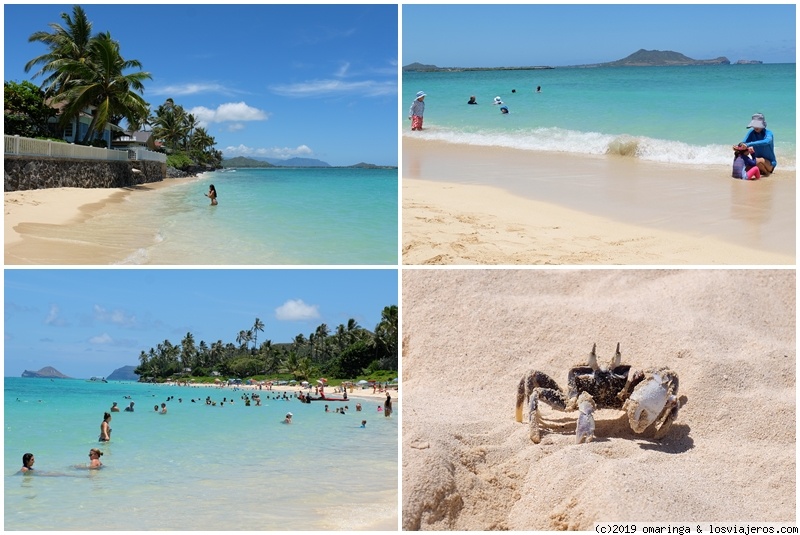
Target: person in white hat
x=762 y=142
x=288 y=418
x=417 y=111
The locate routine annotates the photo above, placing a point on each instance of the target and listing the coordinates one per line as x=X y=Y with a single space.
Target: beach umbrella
x=363 y=382
x=322 y=381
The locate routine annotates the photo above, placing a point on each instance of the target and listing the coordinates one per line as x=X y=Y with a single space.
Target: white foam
x=593 y=143
x=138 y=257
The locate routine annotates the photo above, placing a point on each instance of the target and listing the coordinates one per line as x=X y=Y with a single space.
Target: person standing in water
x=417 y=111
x=105 y=429
x=212 y=194
x=387 y=405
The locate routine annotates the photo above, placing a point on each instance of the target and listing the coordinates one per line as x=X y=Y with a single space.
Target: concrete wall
x=37 y=172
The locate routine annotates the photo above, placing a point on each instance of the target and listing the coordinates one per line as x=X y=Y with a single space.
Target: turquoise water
x=669 y=114
x=305 y=216
x=197 y=467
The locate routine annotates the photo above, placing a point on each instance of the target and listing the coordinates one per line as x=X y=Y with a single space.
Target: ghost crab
x=648 y=396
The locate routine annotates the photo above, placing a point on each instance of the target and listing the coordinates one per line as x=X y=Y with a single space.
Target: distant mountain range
x=640 y=58
x=262 y=162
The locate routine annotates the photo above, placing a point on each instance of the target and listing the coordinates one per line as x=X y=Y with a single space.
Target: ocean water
x=287 y=216
x=197 y=467
x=681 y=115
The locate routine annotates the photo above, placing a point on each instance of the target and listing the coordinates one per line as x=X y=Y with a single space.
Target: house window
x=68 y=130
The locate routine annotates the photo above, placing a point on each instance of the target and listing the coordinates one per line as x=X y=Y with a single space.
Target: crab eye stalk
x=593 y=358
x=617 y=358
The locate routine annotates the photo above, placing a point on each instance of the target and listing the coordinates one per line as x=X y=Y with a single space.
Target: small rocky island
x=48 y=372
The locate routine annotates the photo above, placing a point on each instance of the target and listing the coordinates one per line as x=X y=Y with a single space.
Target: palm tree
x=386 y=334
x=190 y=123
x=66 y=43
x=169 y=124
x=100 y=83
x=258 y=325
x=188 y=351
x=322 y=333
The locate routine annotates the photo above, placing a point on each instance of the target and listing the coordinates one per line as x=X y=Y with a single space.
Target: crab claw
x=652 y=399
x=585 y=428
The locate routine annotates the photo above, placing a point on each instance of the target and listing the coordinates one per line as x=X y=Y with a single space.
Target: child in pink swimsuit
x=744 y=165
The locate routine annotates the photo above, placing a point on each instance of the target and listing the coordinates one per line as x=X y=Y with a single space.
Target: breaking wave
x=592 y=143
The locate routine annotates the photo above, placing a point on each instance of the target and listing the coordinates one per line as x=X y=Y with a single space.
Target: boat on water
x=96 y=380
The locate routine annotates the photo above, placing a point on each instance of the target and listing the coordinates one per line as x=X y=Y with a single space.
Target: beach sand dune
x=493 y=206
x=470 y=335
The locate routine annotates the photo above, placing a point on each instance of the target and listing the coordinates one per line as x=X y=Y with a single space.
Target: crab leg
x=554 y=398
x=530 y=382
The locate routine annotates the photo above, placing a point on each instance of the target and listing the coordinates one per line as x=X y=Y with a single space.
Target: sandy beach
x=45 y=226
x=470 y=335
x=487 y=205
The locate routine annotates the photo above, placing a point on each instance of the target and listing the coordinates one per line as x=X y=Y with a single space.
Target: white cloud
x=273 y=152
x=296 y=310
x=117 y=317
x=191 y=89
x=319 y=88
x=229 y=112
x=54 y=317
x=235 y=127
x=342 y=72
x=101 y=339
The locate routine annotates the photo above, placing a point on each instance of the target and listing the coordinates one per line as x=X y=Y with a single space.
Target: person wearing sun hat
x=762 y=142
x=417 y=111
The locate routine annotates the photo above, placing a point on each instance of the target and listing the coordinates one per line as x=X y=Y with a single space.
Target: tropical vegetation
x=348 y=351
x=26 y=112
x=85 y=73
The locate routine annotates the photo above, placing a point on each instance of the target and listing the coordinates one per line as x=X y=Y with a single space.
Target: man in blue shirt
x=763 y=144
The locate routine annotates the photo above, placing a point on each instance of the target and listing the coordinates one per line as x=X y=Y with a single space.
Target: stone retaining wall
x=28 y=172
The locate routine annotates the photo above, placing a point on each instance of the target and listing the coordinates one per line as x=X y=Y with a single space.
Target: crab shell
x=648 y=401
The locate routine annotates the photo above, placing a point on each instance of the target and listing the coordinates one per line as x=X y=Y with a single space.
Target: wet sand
x=47 y=226
x=488 y=205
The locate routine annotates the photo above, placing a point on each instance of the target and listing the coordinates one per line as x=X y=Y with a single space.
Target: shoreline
x=486 y=205
x=363 y=393
x=30 y=212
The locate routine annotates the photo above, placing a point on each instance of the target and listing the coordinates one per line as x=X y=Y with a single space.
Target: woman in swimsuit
x=105 y=430
x=212 y=194
x=94 y=455
x=27 y=463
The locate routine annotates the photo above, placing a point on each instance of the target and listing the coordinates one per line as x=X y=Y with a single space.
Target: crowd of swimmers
x=249 y=399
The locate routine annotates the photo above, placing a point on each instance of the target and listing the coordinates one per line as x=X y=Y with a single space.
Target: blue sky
x=314 y=81
x=88 y=322
x=561 y=35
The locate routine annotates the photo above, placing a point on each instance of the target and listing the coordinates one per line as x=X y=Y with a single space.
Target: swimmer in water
x=27 y=463
x=94 y=460
x=105 y=429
